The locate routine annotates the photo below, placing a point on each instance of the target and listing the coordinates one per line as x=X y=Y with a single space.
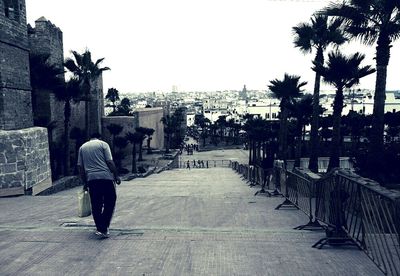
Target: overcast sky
x=151 y=45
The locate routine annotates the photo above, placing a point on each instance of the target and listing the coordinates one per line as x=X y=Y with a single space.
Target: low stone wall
x=62 y=184
x=24 y=161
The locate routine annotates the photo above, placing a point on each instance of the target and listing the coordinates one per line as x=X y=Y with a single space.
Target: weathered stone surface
x=27 y=165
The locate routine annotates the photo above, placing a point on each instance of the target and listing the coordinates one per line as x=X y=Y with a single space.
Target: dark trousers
x=103 y=198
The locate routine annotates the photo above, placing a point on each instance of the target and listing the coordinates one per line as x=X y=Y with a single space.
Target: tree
x=114 y=130
x=285 y=90
x=373 y=22
x=258 y=131
x=123 y=109
x=317 y=35
x=203 y=123
x=113 y=97
x=148 y=132
x=85 y=71
x=221 y=123
x=121 y=143
x=70 y=93
x=45 y=78
x=169 y=128
x=142 y=131
x=341 y=72
x=302 y=111
x=134 y=139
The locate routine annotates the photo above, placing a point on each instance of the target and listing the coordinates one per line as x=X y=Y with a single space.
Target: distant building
x=243 y=93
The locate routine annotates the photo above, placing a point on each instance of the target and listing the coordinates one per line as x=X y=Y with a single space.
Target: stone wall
x=151 y=118
x=47 y=39
x=129 y=123
x=15 y=89
x=96 y=109
x=24 y=161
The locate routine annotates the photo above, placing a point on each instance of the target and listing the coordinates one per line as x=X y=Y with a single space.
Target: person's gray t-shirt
x=92 y=157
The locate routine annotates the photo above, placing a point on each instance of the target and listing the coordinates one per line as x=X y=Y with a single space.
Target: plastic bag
x=84 y=206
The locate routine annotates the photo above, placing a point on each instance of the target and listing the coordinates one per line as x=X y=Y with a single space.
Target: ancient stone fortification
x=24 y=161
x=96 y=108
x=15 y=88
x=47 y=39
x=146 y=117
x=24 y=154
x=129 y=123
x=151 y=118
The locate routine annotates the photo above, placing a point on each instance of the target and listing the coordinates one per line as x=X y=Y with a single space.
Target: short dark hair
x=96 y=135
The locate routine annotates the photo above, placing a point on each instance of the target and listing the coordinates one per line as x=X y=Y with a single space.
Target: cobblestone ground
x=179 y=222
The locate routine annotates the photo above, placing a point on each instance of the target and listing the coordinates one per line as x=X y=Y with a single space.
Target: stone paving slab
x=179 y=222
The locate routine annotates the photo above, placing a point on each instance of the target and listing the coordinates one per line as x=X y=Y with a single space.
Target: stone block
x=10 y=168
x=2 y=158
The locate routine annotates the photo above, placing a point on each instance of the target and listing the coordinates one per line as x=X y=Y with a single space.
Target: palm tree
x=301 y=110
x=123 y=109
x=148 y=132
x=341 y=72
x=221 y=123
x=201 y=121
x=285 y=90
x=113 y=97
x=142 y=131
x=170 y=126
x=85 y=71
x=373 y=22
x=114 y=130
x=317 y=35
x=70 y=93
x=134 y=138
x=121 y=143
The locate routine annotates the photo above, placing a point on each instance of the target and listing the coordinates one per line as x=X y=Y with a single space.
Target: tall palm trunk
x=314 y=138
x=67 y=115
x=283 y=128
x=336 y=139
x=86 y=88
x=168 y=138
x=382 y=61
x=299 y=131
x=140 y=151
x=134 y=170
x=250 y=151
x=148 y=145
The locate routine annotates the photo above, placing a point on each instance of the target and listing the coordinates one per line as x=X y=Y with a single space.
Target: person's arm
x=82 y=175
x=81 y=171
x=114 y=171
x=110 y=163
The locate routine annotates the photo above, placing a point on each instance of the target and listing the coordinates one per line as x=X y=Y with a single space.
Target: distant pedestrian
x=98 y=172
x=207 y=164
x=188 y=164
x=194 y=164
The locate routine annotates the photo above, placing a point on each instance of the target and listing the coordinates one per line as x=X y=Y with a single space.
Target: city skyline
x=207 y=46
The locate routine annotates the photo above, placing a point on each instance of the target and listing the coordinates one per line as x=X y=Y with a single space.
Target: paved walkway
x=180 y=222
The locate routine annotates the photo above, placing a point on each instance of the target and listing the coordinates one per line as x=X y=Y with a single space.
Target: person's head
x=95 y=135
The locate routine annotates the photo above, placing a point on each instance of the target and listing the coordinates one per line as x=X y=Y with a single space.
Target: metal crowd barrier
x=299 y=193
x=211 y=163
x=353 y=210
x=365 y=213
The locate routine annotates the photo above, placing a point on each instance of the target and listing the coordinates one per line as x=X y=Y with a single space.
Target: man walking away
x=98 y=172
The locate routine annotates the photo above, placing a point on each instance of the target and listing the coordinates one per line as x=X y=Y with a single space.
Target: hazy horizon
x=196 y=46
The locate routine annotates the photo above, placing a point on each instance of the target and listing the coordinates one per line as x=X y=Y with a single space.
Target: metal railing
x=300 y=193
x=206 y=163
x=364 y=212
x=352 y=209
